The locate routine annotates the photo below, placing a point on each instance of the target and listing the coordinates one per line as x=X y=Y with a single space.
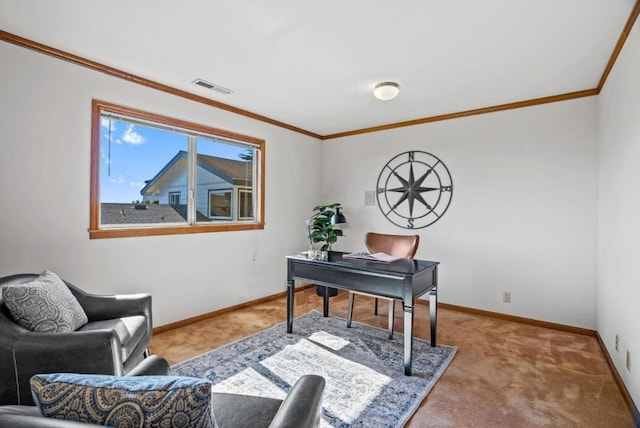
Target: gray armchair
x=113 y=342
x=301 y=408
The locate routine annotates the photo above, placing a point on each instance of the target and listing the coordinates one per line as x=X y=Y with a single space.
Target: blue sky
x=138 y=152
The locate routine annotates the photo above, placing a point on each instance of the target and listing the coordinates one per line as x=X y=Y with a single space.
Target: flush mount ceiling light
x=386 y=90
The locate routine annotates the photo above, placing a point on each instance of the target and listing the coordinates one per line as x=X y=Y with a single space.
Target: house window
x=154 y=175
x=245 y=204
x=220 y=204
x=174 y=198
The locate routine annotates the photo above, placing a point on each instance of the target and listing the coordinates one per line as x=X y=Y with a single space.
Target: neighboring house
x=223 y=187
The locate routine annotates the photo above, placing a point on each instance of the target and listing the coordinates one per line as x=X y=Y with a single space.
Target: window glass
x=174 y=198
x=220 y=204
x=222 y=167
x=138 y=172
x=245 y=204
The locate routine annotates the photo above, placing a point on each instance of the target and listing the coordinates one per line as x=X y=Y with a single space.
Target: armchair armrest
x=301 y=408
x=96 y=351
x=104 y=307
x=153 y=365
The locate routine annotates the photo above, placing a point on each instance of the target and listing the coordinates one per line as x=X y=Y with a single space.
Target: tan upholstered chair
x=396 y=245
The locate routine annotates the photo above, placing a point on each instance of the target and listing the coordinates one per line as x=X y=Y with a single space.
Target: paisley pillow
x=125 y=401
x=44 y=305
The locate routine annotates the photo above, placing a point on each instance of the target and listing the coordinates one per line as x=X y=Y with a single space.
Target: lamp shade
x=338 y=217
x=386 y=90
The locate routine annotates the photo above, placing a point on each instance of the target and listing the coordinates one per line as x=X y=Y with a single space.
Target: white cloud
x=136 y=184
x=109 y=127
x=118 y=180
x=132 y=137
x=106 y=122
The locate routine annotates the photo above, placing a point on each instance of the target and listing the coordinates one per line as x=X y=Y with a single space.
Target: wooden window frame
x=96 y=232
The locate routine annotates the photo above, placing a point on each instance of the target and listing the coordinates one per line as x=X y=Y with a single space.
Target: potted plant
x=322 y=225
x=322 y=229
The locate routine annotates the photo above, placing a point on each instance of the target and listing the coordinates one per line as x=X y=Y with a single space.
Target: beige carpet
x=505 y=374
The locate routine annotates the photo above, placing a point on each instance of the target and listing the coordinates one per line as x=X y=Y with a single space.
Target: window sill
x=173 y=230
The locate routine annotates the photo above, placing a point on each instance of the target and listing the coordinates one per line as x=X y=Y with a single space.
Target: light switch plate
x=369 y=197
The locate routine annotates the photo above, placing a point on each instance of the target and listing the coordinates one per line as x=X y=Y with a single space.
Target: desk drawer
x=346 y=279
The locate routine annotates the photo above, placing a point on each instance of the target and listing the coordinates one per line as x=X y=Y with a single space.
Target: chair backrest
x=394 y=245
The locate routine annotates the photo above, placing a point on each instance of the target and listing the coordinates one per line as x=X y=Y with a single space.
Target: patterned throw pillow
x=44 y=305
x=125 y=401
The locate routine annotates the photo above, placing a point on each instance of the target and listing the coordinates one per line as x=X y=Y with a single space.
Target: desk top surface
x=402 y=266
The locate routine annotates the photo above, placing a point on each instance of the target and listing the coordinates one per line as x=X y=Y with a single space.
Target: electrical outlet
x=617 y=342
x=628 y=360
x=506 y=296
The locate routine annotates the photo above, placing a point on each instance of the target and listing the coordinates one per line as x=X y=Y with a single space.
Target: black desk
x=403 y=280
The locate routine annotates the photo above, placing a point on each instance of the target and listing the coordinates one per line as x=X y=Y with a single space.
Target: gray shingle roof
x=239 y=172
x=120 y=213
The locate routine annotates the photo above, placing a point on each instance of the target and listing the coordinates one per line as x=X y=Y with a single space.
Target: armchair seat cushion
x=30 y=417
x=130 y=330
x=19 y=410
x=301 y=407
x=230 y=410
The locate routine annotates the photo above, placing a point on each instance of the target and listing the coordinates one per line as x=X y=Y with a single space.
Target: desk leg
x=408 y=338
x=433 y=313
x=325 y=302
x=290 y=294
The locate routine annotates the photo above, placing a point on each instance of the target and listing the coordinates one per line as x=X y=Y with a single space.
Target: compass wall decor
x=414 y=189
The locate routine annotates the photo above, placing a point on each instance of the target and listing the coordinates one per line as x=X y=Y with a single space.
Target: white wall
x=45 y=112
x=619 y=210
x=523 y=215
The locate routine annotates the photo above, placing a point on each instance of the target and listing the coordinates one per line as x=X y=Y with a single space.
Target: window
x=220 y=204
x=245 y=204
x=153 y=175
x=174 y=198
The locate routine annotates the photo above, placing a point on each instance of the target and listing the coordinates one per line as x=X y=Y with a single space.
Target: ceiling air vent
x=211 y=86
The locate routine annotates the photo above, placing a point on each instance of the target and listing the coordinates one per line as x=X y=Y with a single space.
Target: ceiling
x=313 y=65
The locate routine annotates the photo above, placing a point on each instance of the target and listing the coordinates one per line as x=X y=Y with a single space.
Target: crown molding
x=483 y=110
x=84 y=62
x=621 y=41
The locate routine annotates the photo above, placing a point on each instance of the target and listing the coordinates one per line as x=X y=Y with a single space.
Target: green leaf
x=321 y=229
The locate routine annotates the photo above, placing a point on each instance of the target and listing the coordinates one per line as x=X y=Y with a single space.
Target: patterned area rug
x=364 y=370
